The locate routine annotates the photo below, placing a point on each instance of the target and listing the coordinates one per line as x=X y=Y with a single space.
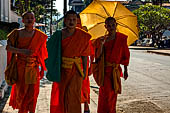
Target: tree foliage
x=3 y=34
x=39 y=7
x=152 y=19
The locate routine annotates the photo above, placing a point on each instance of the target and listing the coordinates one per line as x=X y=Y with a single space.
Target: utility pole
x=51 y=17
x=65 y=7
x=29 y=5
x=157 y=2
x=45 y=22
x=161 y=3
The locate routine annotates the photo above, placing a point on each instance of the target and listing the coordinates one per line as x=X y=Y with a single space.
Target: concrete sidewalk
x=43 y=103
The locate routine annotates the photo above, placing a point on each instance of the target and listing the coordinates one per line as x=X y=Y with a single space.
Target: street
x=146 y=90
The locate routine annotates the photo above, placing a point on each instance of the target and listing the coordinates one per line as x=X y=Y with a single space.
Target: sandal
x=87 y=111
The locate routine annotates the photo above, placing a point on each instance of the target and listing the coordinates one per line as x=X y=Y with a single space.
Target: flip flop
x=87 y=111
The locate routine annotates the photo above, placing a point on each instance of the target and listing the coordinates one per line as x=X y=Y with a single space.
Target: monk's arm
x=126 y=57
x=98 y=48
x=84 y=61
x=125 y=72
x=12 y=49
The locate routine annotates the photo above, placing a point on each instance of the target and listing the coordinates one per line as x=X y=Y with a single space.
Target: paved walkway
x=43 y=103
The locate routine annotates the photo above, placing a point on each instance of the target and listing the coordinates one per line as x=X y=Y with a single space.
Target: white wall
x=4 y=10
x=14 y=17
x=6 y=14
x=3 y=59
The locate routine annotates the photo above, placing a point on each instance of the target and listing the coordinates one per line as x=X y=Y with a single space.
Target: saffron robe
x=85 y=91
x=66 y=94
x=115 y=51
x=24 y=96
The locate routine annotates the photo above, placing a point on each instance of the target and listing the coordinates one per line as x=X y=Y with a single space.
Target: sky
x=60 y=5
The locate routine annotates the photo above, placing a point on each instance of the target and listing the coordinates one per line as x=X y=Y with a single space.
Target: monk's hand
x=100 y=49
x=125 y=74
x=27 y=52
x=102 y=40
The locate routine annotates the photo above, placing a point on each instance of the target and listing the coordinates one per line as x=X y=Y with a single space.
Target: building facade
x=6 y=14
x=76 y=5
x=4 y=10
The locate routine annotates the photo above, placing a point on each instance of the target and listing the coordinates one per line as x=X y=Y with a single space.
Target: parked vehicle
x=41 y=27
x=167 y=43
x=146 y=42
x=139 y=42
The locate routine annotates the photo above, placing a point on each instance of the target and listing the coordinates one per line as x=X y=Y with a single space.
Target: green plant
x=3 y=34
x=153 y=20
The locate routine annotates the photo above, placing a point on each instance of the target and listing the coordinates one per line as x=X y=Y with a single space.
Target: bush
x=3 y=34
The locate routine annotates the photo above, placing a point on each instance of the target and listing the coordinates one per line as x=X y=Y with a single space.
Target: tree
x=153 y=20
x=3 y=34
x=39 y=7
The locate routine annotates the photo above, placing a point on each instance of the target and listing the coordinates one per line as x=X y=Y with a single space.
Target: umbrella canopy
x=93 y=17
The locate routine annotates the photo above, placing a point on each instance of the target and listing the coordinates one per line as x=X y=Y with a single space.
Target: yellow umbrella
x=93 y=17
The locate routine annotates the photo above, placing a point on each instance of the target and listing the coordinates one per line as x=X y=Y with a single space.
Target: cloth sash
x=116 y=77
x=53 y=62
x=68 y=63
x=31 y=69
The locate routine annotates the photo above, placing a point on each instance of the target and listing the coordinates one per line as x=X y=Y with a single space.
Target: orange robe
x=24 y=95
x=115 y=51
x=66 y=95
x=85 y=91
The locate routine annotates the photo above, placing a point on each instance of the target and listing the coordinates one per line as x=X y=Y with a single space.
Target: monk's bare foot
x=86 y=108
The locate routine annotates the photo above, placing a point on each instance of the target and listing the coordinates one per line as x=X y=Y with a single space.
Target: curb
x=142 y=48
x=157 y=52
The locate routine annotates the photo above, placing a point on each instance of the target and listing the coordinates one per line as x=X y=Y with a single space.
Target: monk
x=31 y=52
x=111 y=50
x=85 y=91
x=67 y=76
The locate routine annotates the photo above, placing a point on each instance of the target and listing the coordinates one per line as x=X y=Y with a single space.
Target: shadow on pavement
x=94 y=87
x=5 y=99
x=44 y=81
